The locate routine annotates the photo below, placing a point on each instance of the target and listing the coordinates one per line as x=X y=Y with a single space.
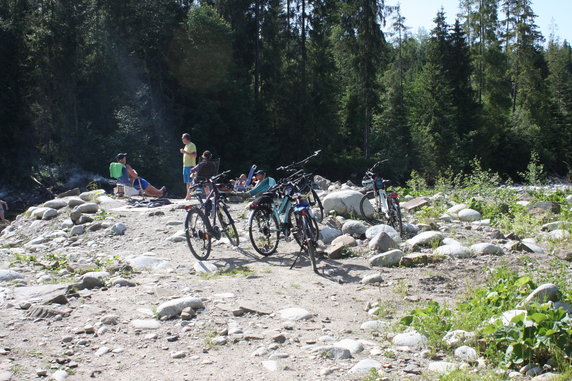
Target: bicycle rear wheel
x=370 y=208
x=395 y=216
x=263 y=231
x=197 y=232
x=298 y=228
x=228 y=226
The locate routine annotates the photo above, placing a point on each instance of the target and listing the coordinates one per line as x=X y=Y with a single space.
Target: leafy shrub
x=534 y=174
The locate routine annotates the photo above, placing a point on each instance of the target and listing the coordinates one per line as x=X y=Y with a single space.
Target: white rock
x=373 y=325
x=442 y=367
x=7 y=275
x=454 y=251
x=410 y=339
x=466 y=354
x=146 y=324
x=372 y=279
x=469 y=215
x=425 y=239
x=295 y=313
x=543 y=293
x=75 y=201
x=387 y=259
x=174 y=307
x=205 y=267
x=353 y=346
x=458 y=337
x=455 y=209
x=91 y=195
x=179 y=236
x=270 y=365
x=364 y=366
x=373 y=231
x=148 y=262
x=101 y=351
x=60 y=375
x=345 y=202
x=77 y=230
x=118 y=228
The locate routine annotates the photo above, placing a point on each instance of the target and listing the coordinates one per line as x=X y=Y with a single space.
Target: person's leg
x=148 y=189
x=188 y=181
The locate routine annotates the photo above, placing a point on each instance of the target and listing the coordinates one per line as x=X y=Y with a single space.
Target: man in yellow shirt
x=189 y=160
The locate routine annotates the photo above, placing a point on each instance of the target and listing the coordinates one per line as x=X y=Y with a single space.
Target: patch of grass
x=401 y=288
x=295 y=285
x=209 y=340
x=237 y=271
x=102 y=214
x=463 y=375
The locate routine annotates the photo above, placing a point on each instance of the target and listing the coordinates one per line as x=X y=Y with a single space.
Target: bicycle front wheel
x=263 y=231
x=395 y=216
x=310 y=237
x=228 y=226
x=298 y=229
x=315 y=202
x=197 y=229
x=370 y=208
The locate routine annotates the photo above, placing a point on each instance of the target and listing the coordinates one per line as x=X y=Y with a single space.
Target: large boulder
x=345 y=202
x=354 y=228
x=327 y=235
x=322 y=182
x=90 y=207
x=484 y=248
x=373 y=231
x=387 y=259
x=174 y=307
x=453 y=251
x=57 y=203
x=469 y=215
x=91 y=195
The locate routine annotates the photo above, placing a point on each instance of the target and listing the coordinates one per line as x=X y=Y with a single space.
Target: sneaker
x=163 y=191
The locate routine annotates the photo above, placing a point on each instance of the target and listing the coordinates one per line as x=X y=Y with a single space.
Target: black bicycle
x=377 y=205
x=210 y=219
x=308 y=185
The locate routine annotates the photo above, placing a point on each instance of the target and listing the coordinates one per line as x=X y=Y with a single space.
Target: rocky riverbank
x=93 y=288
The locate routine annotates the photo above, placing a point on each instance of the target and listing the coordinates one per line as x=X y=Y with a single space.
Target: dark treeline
x=269 y=81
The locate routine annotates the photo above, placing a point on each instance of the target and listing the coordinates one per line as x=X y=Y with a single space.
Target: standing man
x=189 y=161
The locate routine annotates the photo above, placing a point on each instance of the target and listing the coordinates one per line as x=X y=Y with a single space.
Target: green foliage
x=534 y=174
x=417 y=183
x=540 y=334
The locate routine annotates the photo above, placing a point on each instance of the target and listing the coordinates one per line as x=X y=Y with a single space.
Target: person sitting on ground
x=240 y=182
x=3 y=209
x=131 y=178
x=262 y=183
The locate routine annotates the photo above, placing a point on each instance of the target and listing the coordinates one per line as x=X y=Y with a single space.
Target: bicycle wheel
x=227 y=224
x=370 y=208
x=263 y=231
x=197 y=229
x=310 y=239
x=298 y=229
x=315 y=202
x=395 y=216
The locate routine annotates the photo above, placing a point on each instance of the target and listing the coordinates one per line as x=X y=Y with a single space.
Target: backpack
x=115 y=170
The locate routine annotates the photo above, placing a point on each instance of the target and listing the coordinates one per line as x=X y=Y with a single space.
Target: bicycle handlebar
x=299 y=164
x=213 y=179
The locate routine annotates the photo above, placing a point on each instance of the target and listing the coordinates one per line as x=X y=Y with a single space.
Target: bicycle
x=312 y=195
x=270 y=221
x=377 y=205
x=200 y=229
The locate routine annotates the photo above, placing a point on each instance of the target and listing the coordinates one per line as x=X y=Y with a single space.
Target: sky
x=553 y=15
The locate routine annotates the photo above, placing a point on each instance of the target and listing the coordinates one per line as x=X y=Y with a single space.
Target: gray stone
x=556 y=225
x=337 y=353
x=57 y=203
x=373 y=325
x=67 y=224
x=295 y=313
x=372 y=279
x=336 y=251
x=118 y=228
x=363 y=367
x=121 y=282
x=91 y=195
x=49 y=214
x=322 y=182
x=90 y=207
x=75 y=201
x=179 y=236
x=458 y=337
x=77 y=230
x=428 y=238
x=410 y=339
x=94 y=279
x=75 y=216
x=174 y=307
x=469 y=215
x=415 y=204
x=375 y=230
x=486 y=249
x=327 y=234
x=354 y=228
x=466 y=354
x=387 y=259
x=544 y=206
x=558 y=234
x=38 y=212
x=84 y=219
x=454 y=251
x=60 y=375
x=382 y=242
x=6 y=375
x=531 y=248
x=109 y=320
x=7 y=275
x=544 y=293
x=44 y=294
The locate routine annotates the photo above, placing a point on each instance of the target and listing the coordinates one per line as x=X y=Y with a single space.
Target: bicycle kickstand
x=296 y=260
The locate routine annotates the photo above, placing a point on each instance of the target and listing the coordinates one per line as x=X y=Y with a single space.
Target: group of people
x=192 y=172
